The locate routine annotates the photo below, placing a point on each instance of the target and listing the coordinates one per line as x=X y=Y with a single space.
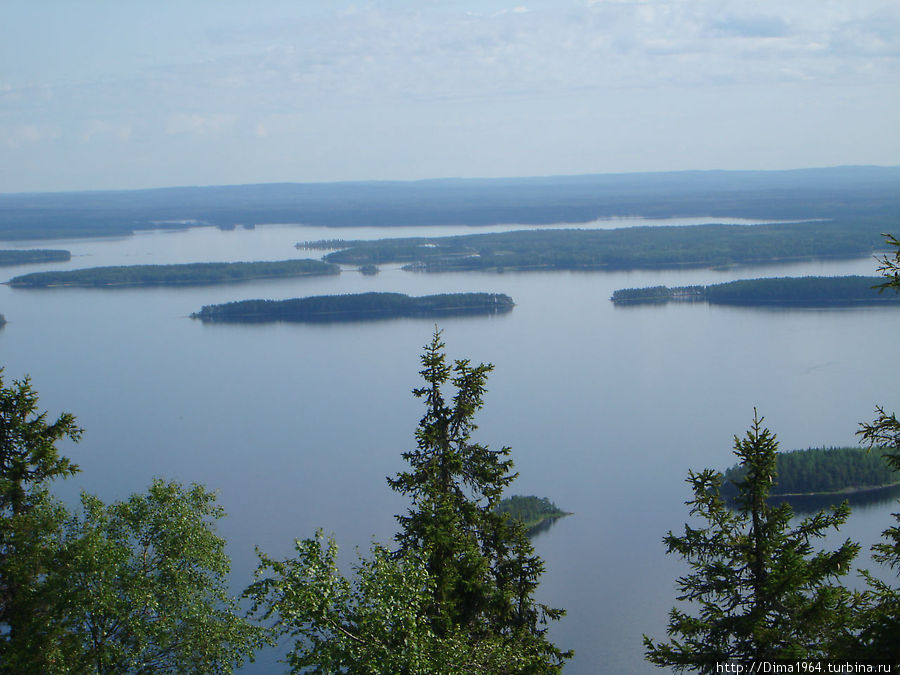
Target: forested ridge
x=356 y=307
x=798 y=291
x=170 y=275
x=854 y=193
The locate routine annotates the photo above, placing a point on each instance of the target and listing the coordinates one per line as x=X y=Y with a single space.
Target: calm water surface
x=297 y=426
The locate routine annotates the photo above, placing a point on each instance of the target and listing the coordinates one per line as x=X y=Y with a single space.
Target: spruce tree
x=483 y=568
x=29 y=462
x=878 y=608
x=763 y=592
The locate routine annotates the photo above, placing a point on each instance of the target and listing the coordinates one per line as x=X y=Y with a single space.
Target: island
x=2 y=321
x=793 y=291
x=174 y=275
x=624 y=248
x=535 y=513
x=10 y=257
x=357 y=307
x=823 y=471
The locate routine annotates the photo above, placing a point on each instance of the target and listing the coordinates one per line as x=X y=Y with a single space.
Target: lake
x=298 y=425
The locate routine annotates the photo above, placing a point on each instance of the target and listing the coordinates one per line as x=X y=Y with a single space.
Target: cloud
x=195 y=124
x=94 y=129
x=19 y=135
x=751 y=26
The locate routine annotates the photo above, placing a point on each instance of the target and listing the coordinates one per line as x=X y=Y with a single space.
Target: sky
x=105 y=94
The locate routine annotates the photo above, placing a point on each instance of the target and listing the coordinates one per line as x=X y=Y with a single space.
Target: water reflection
x=859 y=501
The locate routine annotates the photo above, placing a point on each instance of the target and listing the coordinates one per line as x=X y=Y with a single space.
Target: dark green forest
x=10 y=257
x=819 y=470
x=624 y=248
x=357 y=307
x=174 y=275
x=796 y=291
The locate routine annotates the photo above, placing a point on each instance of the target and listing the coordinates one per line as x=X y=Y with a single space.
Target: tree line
x=34 y=255
x=818 y=470
x=170 y=275
x=623 y=248
x=356 y=307
x=808 y=291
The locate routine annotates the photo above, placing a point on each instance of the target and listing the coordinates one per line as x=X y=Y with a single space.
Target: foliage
x=796 y=291
x=168 y=275
x=375 y=622
x=357 y=307
x=821 y=470
x=762 y=591
x=139 y=587
x=457 y=596
x=878 y=611
x=531 y=510
x=483 y=568
x=29 y=461
x=134 y=587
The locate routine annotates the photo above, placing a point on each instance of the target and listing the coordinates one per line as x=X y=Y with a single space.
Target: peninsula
x=531 y=511
x=357 y=307
x=792 y=291
x=618 y=249
x=174 y=275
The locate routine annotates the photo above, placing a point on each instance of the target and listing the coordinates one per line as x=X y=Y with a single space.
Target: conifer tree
x=483 y=568
x=878 y=608
x=763 y=592
x=457 y=597
x=29 y=461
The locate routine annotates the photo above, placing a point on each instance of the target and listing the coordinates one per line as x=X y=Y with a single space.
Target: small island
x=534 y=513
x=2 y=321
x=9 y=257
x=823 y=471
x=174 y=275
x=357 y=307
x=842 y=291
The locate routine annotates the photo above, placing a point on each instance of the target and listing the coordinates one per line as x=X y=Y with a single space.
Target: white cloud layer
x=544 y=87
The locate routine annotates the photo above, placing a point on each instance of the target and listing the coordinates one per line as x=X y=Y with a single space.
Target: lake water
x=297 y=426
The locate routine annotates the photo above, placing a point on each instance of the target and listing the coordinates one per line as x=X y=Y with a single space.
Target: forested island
x=531 y=511
x=620 y=249
x=823 y=471
x=795 y=291
x=357 y=307
x=10 y=257
x=174 y=275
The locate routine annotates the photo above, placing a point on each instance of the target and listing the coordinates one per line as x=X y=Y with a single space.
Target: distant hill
x=867 y=192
